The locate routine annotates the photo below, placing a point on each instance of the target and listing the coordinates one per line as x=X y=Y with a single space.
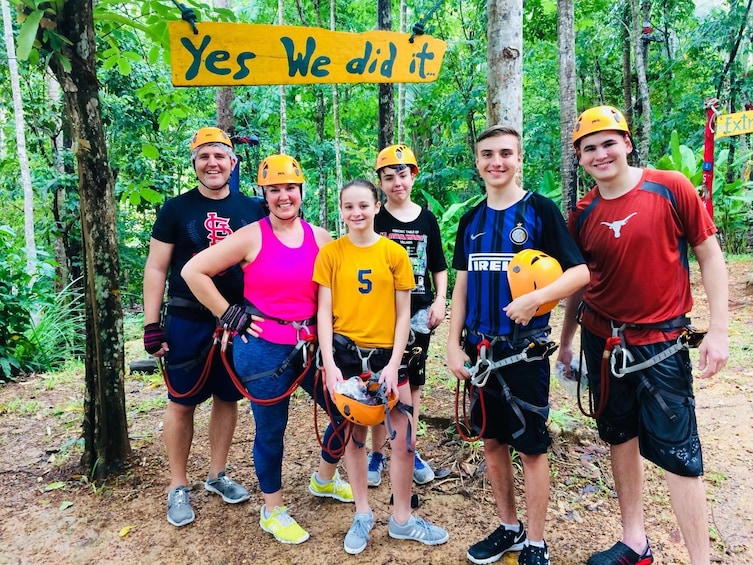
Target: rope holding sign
x=419 y=28
x=188 y=15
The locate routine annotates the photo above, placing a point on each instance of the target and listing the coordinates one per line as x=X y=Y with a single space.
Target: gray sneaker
x=422 y=472
x=416 y=529
x=179 y=511
x=375 y=466
x=227 y=488
x=358 y=534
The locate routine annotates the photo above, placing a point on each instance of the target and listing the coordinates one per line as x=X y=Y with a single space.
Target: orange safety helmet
x=209 y=135
x=599 y=118
x=362 y=413
x=397 y=155
x=279 y=169
x=530 y=269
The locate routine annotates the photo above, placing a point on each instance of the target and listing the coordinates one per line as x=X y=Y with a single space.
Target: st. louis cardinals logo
x=218 y=228
x=617 y=225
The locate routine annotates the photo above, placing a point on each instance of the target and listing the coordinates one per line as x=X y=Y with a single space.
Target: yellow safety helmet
x=209 y=135
x=529 y=270
x=360 y=412
x=397 y=155
x=279 y=169
x=599 y=118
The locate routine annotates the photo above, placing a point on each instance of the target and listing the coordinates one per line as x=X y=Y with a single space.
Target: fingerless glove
x=235 y=318
x=154 y=337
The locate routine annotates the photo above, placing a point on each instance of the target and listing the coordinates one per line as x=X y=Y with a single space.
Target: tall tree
x=336 y=123
x=504 y=62
x=283 y=92
x=225 y=94
x=643 y=100
x=568 y=100
x=386 y=134
x=106 y=444
x=23 y=158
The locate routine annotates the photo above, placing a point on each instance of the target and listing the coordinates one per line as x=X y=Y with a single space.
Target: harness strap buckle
x=692 y=337
x=538 y=350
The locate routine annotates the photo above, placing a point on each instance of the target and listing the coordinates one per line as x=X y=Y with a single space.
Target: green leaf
x=54 y=486
x=124 y=66
x=65 y=504
x=150 y=151
x=27 y=34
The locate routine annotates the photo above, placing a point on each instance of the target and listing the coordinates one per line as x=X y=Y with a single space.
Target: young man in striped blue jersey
x=511 y=410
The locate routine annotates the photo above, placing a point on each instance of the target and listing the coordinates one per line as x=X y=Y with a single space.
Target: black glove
x=154 y=337
x=236 y=318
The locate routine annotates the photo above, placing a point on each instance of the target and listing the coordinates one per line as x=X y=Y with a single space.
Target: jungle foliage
x=149 y=123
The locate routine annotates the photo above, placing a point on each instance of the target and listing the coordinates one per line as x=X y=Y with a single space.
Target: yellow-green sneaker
x=282 y=526
x=336 y=488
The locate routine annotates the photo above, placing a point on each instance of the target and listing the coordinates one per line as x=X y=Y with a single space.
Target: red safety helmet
x=529 y=270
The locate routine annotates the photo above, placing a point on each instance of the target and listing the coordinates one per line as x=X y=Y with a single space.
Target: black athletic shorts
x=664 y=420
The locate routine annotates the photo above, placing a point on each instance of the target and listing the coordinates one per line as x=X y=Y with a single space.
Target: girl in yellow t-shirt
x=364 y=300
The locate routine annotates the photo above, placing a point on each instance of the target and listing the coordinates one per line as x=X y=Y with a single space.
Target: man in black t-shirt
x=186 y=225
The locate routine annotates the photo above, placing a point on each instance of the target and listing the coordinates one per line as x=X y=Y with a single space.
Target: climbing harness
x=344 y=344
x=304 y=347
x=206 y=354
x=536 y=349
x=618 y=361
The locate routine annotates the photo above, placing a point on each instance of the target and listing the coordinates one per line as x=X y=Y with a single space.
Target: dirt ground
x=49 y=513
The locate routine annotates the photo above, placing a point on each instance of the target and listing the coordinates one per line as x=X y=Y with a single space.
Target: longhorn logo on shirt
x=617 y=225
x=218 y=228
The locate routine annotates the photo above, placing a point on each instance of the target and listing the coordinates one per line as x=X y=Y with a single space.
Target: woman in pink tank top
x=277 y=255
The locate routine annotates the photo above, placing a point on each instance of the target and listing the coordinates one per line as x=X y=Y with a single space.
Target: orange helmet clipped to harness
x=397 y=155
x=209 y=135
x=279 y=169
x=368 y=412
x=529 y=270
x=599 y=118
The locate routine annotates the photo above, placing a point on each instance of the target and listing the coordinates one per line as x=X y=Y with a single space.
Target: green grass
x=21 y=407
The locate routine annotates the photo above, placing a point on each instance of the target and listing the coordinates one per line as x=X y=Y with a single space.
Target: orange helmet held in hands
x=529 y=270
x=364 y=413
x=599 y=118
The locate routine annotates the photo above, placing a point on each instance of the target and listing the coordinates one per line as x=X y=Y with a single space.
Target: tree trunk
x=643 y=101
x=106 y=445
x=321 y=163
x=386 y=133
x=627 y=68
x=504 y=62
x=568 y=101
x=283 y=95
x=401 y=85
x=23 y=157
x=336 y=124
x=225 y=94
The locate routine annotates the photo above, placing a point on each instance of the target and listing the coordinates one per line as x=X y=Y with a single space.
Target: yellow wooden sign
x=738 y=123
x=228 y=54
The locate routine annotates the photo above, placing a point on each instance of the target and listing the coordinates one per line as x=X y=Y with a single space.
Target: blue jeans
x=258 y=356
